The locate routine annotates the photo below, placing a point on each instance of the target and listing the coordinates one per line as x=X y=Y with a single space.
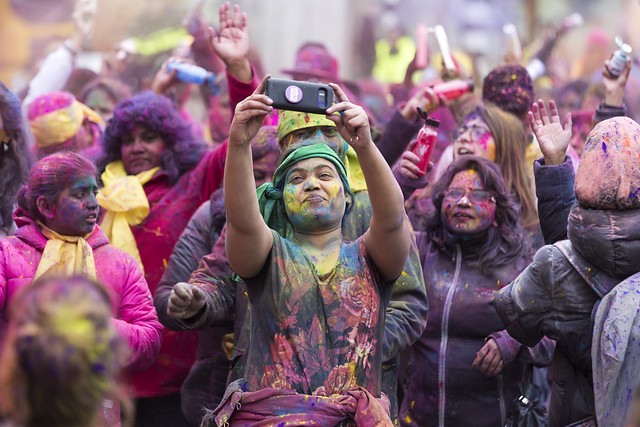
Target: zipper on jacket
x=503 y=409
x=444 y=338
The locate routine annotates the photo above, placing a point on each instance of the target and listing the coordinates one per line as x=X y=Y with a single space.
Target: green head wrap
x=270 y=194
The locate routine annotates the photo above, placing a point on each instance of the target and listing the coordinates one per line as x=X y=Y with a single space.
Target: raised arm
x=388 y=238
x=554 y=175
x=231 y=42
x=249 y=240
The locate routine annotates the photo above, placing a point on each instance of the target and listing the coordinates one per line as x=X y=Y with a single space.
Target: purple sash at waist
x=272 y=406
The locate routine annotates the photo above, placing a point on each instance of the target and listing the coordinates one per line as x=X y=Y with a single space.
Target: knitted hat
x=608 y=176
x=510 y=88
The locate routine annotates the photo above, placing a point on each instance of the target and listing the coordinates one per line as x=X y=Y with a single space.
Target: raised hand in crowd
x=408 y=165
x=425 y=98
x=231 y=41
x=614 y=85
x=553 y=138
x=164 y=79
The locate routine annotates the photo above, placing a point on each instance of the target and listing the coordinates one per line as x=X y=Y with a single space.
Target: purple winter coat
x=131 y=304
x=443 y=389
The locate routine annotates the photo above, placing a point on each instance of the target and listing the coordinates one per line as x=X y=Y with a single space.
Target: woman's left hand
x=489 y=359
x=350 y=119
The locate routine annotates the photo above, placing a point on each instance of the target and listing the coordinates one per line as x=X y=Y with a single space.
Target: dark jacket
x=461 y=318
x=550 y=298
x=207 y=379
x=554 y=189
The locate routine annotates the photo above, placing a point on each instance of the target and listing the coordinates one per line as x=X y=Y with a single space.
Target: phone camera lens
x=322 y=98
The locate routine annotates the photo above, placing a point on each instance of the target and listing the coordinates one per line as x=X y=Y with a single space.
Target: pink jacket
x=131 y=304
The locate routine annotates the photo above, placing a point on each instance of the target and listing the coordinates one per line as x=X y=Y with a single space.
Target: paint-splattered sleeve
x=554 y=190
x=406 y=315
x=525 y=304
x=193 y=244
x=214 y=278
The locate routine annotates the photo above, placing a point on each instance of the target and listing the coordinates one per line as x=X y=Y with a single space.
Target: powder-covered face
x=474 y=137
x=467 y=208
x=101 y=102
x=141 y=150
x=314 y=195
x=76 y=210
x=327 y=134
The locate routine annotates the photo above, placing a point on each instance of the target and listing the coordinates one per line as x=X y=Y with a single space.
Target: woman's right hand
x=249 y=116
x=185 y=301
x=552 y=137
x=425 y=98
x=165 y=79
x=409 y=162
x=614 y=85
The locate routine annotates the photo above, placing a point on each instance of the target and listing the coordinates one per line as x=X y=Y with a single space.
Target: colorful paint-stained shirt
x=316 y=334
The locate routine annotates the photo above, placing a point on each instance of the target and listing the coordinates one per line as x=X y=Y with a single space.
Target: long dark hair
x=15 y=162
x=157 y=114
x=504 y=244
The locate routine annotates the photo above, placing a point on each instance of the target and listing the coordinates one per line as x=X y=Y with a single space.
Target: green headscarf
x=270 y=193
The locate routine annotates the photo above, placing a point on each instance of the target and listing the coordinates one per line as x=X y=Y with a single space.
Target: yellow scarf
x=71 y=255
x=126 y=203
x=60 y=125
x=354 y=171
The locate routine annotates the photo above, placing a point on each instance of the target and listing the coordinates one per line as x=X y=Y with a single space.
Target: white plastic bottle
x=620 y=58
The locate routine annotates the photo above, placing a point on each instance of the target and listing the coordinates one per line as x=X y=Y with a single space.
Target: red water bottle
x=453 y=88
x=426 y=140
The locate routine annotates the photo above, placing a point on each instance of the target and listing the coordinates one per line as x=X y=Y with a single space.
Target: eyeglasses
x=476 y=133
x=476 y=196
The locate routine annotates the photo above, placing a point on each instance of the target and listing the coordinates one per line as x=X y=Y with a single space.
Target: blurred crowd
x=435 y=247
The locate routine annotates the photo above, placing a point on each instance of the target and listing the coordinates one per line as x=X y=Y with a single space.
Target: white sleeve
x=52 y=76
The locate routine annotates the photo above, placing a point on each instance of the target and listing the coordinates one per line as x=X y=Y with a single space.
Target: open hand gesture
x=231 y=42
x=552 y=136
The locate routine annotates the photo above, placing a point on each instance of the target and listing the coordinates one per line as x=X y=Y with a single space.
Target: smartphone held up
x=295 y=95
